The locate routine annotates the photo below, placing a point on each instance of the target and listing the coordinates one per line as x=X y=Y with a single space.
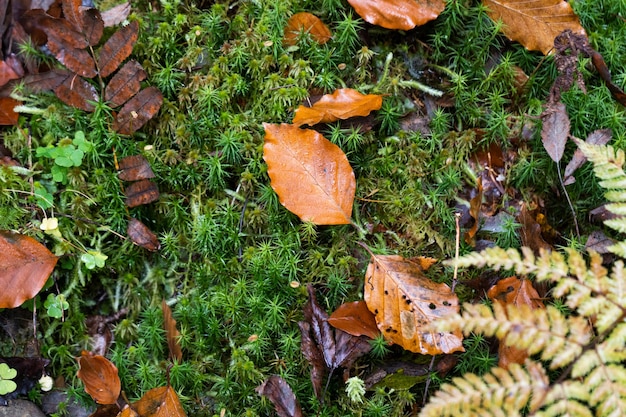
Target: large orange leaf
x=342 y=104
x=405 y=303
x=311 y=175
x=534 y=23
x=398 y=14
x=307 y=23
x=159 y=402
x=100 y=378
x=25 y=266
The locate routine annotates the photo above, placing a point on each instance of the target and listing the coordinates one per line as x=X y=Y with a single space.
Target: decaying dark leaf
x=116 y=15
x=45 y=81
x=281 y=395
x=142 y=236
x=474 y=211
x=73 y=13
x=117 y=48
x=597 y=137
x=29 y=372
x=125 y=83
x=141 y=192
x=93 y=26
x=138 y=110
x=172 y=334
x=530 y=232
x=67 y=46
x=77 y=92
x=605 y=74
x=555 y=130
x=135 y=168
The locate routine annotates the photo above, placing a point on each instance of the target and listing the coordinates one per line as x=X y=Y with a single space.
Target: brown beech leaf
x=125 y=83
x=530 y=232
x=518 y=292
x=354 y=318
x=159 y=402
x=142 y=236
x=141 y=192
x=77 y=92
x=25 y=266
x=311 y=175
x=405 y=303
x=340 y=105
x=127 y=411
x=281 y=395
x=116 y=15
x=138 y=110
x=597 y=137
x=555 y=130
x=398 y=14
x=475 y=204
x=307 y=23
x=100 y=378
x=134 y=168
x=172 y=334
x=534 y=23
x=8 y=117
x=117 y=48
x=324 y=347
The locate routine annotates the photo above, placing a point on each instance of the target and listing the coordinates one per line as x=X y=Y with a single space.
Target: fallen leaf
x=100 y=378
x=311 y=175
x=530 y=231
x=73 y=13
x=171 y=333
x=108 y=410
x=125 y=83
x=555 y=130
x=518 y=292
x=77 y=92
x=138 y=110
x=398 y=14
x=307 y=23
x=25 y=266
x=605 y=74
x=142 y=236
x=281 y=395
x=547 y=18
x=141 y=192
x=8 y=117
x=354 y=318
x=116 y=15
x=597 y=137
x=599 y=242
x=45 y=81
x=342 y=104
x=117 y=48
x=159 y=402
x=476 y=203
x=67 y=46
x=405 y=303
x=127 y=411
x=93 y=26
x=7 y=73
x=134 y=168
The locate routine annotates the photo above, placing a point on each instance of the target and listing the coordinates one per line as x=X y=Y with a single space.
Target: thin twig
x=571 y=206
x=457 y=245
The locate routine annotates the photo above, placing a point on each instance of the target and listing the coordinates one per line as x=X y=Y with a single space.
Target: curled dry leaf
x=117 y=48
x=138 y=110
x=398 y=14
x=100 y=378
x=305 y=23
x=125 y=83
x=555 y=130
x=171 y=333
x=159 y=402
x=547 y=18
x=605 y=74
x=355 y=318
x=141 y=192
x=25 y=266
x=311 y=175
x=281 y=395
x=405 y=303
x=135 y=168
x=340 y=105
x=142 y=236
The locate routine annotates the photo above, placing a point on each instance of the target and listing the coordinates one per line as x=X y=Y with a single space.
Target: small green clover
x=55 y=305
x=43 y=197
x=6 y=375
x=93 y=259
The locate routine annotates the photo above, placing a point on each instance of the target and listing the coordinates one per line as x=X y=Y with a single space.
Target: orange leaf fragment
x=311 y=175
x=398 y=14
x=342 y=104
x=100 y=378
x=171 y=333
x=355 y=318
x=547 y=18
x=7 y=115
x=117 y=48
x=159 y=402
x=25 y=266
x=405 y=303
x=307 y=23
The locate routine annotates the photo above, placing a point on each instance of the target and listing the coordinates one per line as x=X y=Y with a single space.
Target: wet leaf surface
x=134 y=168
x=138 y=111
x=281 y=395
x=304 y=22
x=398 y=14
x=100 y=378
x=117 y=48
x=77 y=92
x=355 y=318
x=125 y=83
x=159 y=402
x=340 y=105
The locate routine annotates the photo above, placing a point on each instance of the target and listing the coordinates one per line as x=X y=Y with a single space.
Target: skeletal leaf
x=340 y=105
x=100 y=378
x=306 y=23
x=398 y=14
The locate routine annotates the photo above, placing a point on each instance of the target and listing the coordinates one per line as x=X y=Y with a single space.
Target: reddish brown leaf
x=25 y=266
x=398 y=14
x=125 y=83
x=340 y=105
x=474 y=211
x=77 y=92
x=135 y=168
x=142 y=236
x=7 y=115
x=45 y=81
x=160 y=402
x=281 y=395
x=555 y=131
x=605 y=74
x=76 y=60
x=307 y=23
x=93 y=26
x=73 y=13
x=171 y=333
x=405 y=302
x=100 y=378
x=354 y=318
x=117 y=48
x=597 y=137
x=141 y=192
x=547 y=18
x=138 y=110
x=311 y=175
x=116 y=15
x=63 y=31
x=530 y=232
x=7 y=73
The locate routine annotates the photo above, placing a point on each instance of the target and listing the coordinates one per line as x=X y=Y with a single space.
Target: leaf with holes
x=405 y=303
x=398 y=14
x=100 y=378
x=340 y=105
x=159 y=402
x=547 y=18
x=138 y=110
x=117 y=48
x=306 y=23
x=311 y=175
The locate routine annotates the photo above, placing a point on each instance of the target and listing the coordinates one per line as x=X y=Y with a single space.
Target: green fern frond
x=498 y=393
